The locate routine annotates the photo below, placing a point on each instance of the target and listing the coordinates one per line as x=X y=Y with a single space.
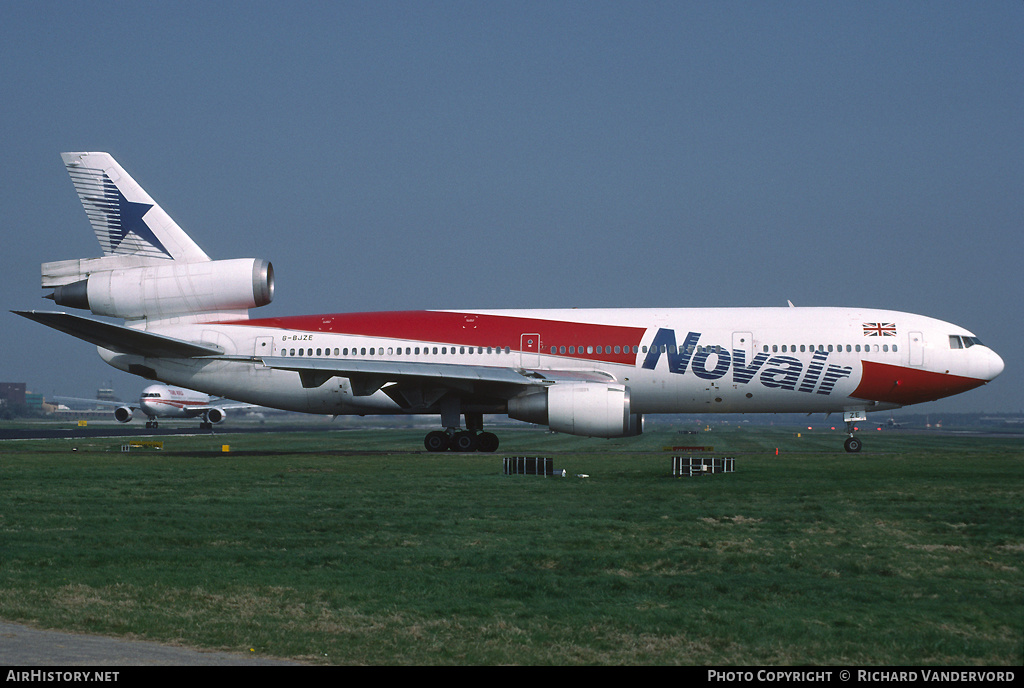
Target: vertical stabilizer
x=127 y=221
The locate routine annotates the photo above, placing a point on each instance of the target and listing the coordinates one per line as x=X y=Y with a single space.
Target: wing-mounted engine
x=123 y=414
x=215 y=415
x=587 y=409
x=160 y=290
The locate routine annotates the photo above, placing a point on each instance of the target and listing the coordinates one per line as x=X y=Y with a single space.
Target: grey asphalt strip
x=22 y=646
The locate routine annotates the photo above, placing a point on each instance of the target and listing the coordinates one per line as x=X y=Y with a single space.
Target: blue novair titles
x=771 y=370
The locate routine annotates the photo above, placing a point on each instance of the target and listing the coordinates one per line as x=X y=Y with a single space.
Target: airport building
x=12 y=393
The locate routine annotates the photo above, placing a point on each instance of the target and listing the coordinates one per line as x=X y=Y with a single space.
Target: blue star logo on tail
x=124 y=217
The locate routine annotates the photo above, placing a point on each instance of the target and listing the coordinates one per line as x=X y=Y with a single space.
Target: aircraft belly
x=218 y=378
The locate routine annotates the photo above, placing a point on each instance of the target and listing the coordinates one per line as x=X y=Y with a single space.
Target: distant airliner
x=165 y=401
x=585 y=372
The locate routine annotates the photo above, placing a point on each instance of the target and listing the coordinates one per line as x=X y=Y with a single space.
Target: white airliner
x=585 y=372
x=166 y=401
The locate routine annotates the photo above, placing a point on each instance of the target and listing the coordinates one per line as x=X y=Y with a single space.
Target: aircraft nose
x=995 y=365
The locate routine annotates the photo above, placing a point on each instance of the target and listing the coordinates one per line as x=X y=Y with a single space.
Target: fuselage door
x=916 y=348
x=529 y=346
x=744 y=341
x=264 y=347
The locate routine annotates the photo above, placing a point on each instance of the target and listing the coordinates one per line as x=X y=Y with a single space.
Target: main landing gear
x=460 y=441
x=853 y=444
x=472 y=439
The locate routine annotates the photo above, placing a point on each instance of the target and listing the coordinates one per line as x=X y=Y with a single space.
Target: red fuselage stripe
x=470 y=329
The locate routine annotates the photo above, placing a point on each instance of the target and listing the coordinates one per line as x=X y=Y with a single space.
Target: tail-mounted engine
x=164 y=289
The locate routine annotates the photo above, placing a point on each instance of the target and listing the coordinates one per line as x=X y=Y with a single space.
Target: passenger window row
x=849 y=348
x=665 y=348
x=594 y=349
x=955 y=342
x=395 y=351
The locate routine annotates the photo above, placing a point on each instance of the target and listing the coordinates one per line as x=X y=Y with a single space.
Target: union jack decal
x=879 y=329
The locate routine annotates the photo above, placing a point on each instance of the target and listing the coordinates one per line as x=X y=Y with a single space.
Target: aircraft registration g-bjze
x=588 y=372
x=167 y=401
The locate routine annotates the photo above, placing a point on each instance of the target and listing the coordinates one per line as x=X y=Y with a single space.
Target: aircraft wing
x=123 y=340
x=228 y=405
x=190 y=411
x=196 y=411
x=368 y=376
x=93 y=402
x=231 y=406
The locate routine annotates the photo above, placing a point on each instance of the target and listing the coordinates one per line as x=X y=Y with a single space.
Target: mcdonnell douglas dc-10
x=588 y=372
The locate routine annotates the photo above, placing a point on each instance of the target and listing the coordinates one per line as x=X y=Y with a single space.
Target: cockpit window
x=958 y=342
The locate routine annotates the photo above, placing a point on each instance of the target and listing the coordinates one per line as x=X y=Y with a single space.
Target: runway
x=22 y=646
x=52 y=431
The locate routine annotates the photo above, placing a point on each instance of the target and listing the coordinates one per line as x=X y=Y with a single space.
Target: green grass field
x=356 y=548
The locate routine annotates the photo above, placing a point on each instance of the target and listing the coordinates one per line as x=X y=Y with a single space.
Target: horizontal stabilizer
x=120 y=339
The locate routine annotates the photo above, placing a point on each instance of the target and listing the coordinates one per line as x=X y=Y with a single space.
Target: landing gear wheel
x=487 y=442
x=436 y=441
x=852 y=445
x=464 y=441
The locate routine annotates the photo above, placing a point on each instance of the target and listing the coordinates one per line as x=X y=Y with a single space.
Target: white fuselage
x=730 y=360
x=161 y=401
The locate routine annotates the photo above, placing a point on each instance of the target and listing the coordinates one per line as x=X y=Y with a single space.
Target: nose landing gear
x=853 y=444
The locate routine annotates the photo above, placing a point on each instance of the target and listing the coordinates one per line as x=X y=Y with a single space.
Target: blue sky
x=404 y=155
